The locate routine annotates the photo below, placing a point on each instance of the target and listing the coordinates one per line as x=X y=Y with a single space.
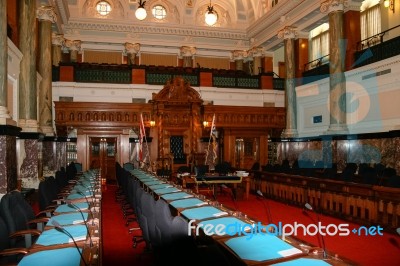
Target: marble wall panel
x=396 y=144
x=8 y=164
x=49 y=157
x=61 y=155
x=371 y=151
x=3 y=165
x=29 y=163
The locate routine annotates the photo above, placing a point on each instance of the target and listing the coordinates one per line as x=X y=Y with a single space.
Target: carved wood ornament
x=176 y=110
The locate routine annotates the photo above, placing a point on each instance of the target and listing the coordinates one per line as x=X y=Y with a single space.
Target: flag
x=142 y=135
x=213 y=139
x=213 y=136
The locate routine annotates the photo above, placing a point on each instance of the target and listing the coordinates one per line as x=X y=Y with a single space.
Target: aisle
x=117 y=242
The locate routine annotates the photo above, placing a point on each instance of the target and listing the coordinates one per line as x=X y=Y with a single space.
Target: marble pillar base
x=47 y=130
x=289 y=133
x=5 y=118
x=337 y=129
x=29 y=125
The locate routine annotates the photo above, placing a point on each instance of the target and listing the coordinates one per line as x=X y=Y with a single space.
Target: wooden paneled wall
x=360 y=203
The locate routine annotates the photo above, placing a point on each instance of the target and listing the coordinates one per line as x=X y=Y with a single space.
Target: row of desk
x=77 y=218
x=211 y=180
x=245 y=248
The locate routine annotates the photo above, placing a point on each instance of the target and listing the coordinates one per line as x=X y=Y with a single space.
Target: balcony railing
x=374 y=48
x=316 y=69
x=159 y=75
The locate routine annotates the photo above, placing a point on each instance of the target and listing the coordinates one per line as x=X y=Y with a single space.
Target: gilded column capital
x=187 y=51
x=73 y=45
x=46 y=13
x=239 y=54
x=131 y=48
x=58 y=39
x=256 y=52
x=287 y=33
x=328 y=6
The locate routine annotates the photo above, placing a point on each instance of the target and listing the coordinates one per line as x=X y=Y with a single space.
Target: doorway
x=102 y=156
x=246 y=152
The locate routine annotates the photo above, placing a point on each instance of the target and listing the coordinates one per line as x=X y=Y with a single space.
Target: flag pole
x=209 y=139
x=143 y=130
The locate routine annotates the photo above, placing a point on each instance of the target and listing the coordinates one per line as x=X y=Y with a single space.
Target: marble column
x=46 y=16
x=74 y=48
x=238 y=56
x=8 y=130
x=4 y=114
x=187 y=53
x=289 y=34
x=256 y=53
x=28 y=76
x=337 y=55
x=131 y=50
x=57 y=43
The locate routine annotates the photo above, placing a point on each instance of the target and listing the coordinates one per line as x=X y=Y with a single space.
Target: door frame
x=117 y=138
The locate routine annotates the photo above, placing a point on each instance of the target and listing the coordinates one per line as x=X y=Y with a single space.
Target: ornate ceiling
x=242 y=24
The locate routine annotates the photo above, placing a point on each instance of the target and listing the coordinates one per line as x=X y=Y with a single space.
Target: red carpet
x=117 y=241
x=362 y=250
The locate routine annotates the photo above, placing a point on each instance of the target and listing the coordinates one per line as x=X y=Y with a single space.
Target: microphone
x=71 y=205
x=310 y=208
x=59 y=228
x=87 y=201
x=87 y=187
x=266 y=206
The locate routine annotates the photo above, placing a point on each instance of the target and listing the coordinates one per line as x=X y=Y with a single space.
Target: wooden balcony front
x=159 y=75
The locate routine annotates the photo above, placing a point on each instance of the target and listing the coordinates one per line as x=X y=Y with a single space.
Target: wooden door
x=246 y=152
x=102 y=156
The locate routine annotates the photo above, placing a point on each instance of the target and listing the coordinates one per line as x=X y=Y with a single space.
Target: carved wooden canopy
x=177 y=112
x=177 y=91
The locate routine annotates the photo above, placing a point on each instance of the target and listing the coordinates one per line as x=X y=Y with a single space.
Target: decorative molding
x=74 y=27
x=73 y=45
x=187 y=51
x=239 y=54
x=63 y=11
x=131 y=48
x=256 y=52
x=46 y=13
x=329 y=6
x=287 y=33
x=177 y=90
x=117 y=10
x=58 y=39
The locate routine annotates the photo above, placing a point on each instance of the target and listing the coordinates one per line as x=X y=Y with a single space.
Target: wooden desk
x=216 y=179
x=55 y=245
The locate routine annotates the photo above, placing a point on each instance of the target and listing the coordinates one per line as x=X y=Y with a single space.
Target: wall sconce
x=389 y=4
x=141 y=13
x=152 y=123
x=205 y=123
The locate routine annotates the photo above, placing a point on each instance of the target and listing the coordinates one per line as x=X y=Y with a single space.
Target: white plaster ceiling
x=242 y=24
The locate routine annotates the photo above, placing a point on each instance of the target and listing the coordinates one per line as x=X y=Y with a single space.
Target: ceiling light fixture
x=211 y=15
x=141 y=13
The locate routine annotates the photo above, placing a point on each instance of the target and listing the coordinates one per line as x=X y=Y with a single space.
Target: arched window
x=159 y=12
x=103 y=8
